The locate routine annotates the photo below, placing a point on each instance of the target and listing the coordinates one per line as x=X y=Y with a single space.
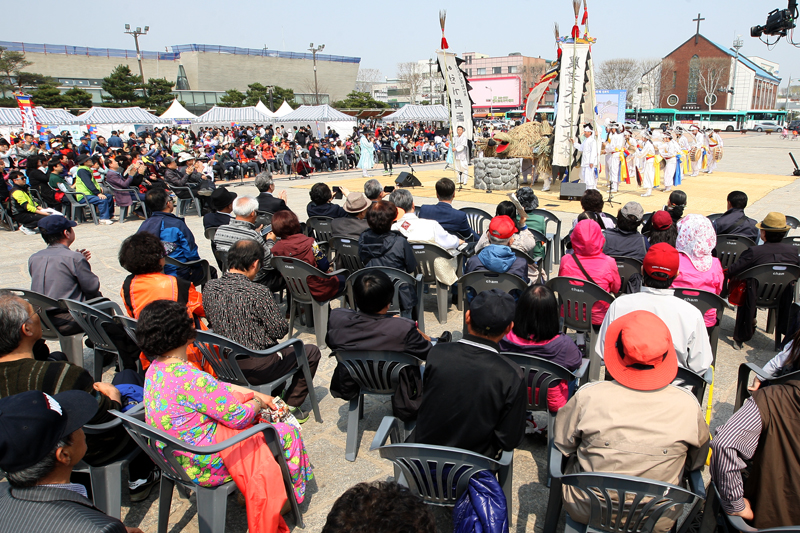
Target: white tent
x=177 y=112
x=11 y=116
x=320 y=118
x=230 y=115
x=118 y=115
x=264 y=109
x=419 y=113
x=283 y=110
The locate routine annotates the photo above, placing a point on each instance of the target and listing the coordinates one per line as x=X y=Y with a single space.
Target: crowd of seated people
x=643 y=338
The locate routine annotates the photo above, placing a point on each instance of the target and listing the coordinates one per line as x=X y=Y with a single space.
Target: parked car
x=794 y=125
x=767 y=126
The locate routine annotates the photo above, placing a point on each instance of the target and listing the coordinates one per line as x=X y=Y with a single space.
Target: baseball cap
x=32 y=423
x=492 y=310
x=661 y=261
x=356 y=202
x=661 y=220
x=54 y=224
x=639 y=352
x=632 y=209
x=502 y=227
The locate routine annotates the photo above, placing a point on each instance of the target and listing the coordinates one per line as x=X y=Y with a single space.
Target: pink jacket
x=711 y=280
x=587 y=244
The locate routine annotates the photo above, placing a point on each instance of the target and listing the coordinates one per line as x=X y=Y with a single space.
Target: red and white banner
x=29 y=123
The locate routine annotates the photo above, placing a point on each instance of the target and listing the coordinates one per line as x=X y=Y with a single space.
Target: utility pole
x=737 y=44
x=491 y=102
x=271 y=88
x=136 y=33
x=314 y=51
x=786 y=105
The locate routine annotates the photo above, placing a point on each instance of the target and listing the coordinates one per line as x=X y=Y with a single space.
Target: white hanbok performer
x=669 y=151
x=647 y=155
x=698 y=145
x=589 y=157
x=714 y=142
x=615 y=147
x=461 y=159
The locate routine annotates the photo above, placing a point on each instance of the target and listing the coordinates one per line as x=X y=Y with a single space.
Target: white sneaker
x=26 y=231
x=648 y=193
x=106 y=221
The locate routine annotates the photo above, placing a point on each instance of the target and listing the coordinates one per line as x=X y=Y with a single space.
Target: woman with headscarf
x=698 y=269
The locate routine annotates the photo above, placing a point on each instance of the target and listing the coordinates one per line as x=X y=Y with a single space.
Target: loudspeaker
x=406 y=179
x=571 y=191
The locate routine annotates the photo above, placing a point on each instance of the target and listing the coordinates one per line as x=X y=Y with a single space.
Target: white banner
x=575 y=100
x=457 y=93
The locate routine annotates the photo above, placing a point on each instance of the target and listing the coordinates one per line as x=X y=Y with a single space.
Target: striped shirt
x=238 y=230
x=735 y=443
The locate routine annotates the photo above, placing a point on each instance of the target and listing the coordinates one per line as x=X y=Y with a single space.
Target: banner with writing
x=575 y=105
x=25 y=103
x=457 y=93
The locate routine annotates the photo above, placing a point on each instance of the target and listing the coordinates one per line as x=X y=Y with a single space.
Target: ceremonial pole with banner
x=459 y=102
x=29 y=123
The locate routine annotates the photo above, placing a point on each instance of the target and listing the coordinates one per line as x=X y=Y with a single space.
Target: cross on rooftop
x=698 y=19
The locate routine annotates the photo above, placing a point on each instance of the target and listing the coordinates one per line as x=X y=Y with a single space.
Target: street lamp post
x=314 y=51
x=136 y=33
x=491 y=102
x=737 y=44
x=270 y=89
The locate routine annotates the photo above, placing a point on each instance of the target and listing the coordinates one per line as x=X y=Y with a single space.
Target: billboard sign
x=611 y=107
x=496 y=92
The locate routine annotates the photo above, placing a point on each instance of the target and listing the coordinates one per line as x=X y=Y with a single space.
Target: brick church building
x=683 y=70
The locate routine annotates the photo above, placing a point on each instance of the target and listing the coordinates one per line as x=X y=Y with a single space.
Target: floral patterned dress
x=188 y=404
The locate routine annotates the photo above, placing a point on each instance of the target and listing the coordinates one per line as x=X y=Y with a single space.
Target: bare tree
x=308 y=87
x=412 y=77
x=366 y=78
x=619 y=75
x=711 y=73
x=654 y=84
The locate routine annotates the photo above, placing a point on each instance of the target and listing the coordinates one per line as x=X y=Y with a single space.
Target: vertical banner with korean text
x=457 y=93
x=25 y=103
x=575 y=102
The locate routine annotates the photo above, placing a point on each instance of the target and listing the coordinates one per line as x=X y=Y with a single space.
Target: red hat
x=639 y=353
x=502 y=227
x=661 y=261
x=661 y=220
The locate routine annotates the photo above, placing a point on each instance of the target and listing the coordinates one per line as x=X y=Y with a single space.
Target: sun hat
x=774 y=221
x=356 y=202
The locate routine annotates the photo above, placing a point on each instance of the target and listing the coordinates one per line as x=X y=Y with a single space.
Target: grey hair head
x=495 y=240
x=245 y=206
x=13 y=314
x=403 y=199
x=30 y=477
x=373 y=189
x=264 y=181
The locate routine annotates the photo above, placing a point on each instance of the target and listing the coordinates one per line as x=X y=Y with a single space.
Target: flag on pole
x=25 y=103
x=538 y=90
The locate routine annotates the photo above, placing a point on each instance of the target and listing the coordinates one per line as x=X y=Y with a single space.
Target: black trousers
x=29 y=220
x=386 y=157
x=260 y=370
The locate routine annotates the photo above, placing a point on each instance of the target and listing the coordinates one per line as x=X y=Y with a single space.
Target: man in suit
x=773 y=230
x=41 y=440
x=452 y=220
x=266 y=200
x=221 y=208
x=734 y=221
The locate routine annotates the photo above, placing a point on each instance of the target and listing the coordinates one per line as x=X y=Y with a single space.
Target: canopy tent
x=230 y=115
x=419 y=113
x=264 y=109
x=119 y=115
x=321 y=117
x=10 y=116
x=176 y=111
x=283 y=110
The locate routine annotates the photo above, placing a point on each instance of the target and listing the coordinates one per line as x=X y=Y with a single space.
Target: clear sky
x=385 y=33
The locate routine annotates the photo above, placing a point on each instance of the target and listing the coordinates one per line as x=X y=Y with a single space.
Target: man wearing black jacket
x=474 y=398
x=734 y=221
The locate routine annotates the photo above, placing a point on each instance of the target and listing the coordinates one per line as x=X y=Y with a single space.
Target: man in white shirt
x=461 y=156
x=420 y=229
x=685 y=321
x=589 y=157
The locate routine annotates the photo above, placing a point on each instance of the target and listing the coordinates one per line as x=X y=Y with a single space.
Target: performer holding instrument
x=669 y=151
x=714 y=149
x=647 y=155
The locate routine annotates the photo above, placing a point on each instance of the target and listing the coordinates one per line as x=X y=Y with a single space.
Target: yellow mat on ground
x=707 y=194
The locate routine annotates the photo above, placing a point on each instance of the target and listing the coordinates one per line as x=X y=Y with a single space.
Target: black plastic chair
x=438 y=474
x=184 y=204
x=398 y=278
x=645 y=500
x=705 y=301
x=554 y=238
x=714 y=216
x=92 y=319
x=345 y=253
x=743 y=381
x=263 y=218
x=730 y=247
x=628 y=266
x=211 y=501
x=376 y=373
x=223 y=355
x=295 y=272
x=202 y=263
x=547 y=260
x=77 y=209
x=107 y=478
x=792 y=222
x=772 y=279
x=484 y=280
x=543 y=374
x=71 y=345
x=794 y=241
x=426 y=253
x=321 y=230
x=576 y=297
x=123 y=210
x=5 y=216
x=695 y=382
x=478 y=219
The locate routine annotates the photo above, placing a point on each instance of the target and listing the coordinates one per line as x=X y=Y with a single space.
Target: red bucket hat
x=639 y=353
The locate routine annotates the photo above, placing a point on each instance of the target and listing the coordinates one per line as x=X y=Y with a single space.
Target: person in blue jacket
x=498 y=256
